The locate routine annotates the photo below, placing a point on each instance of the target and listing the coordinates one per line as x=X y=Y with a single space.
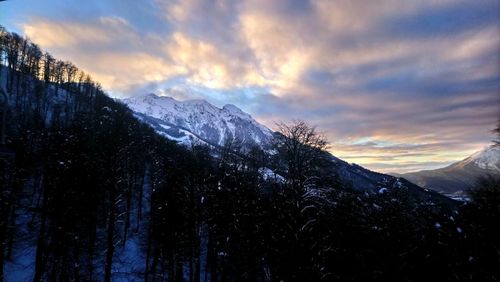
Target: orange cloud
x=89 y=47
x=53 y=34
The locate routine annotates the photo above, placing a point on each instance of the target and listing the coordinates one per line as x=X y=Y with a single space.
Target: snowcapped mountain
x=199 y=121
x=487 y=159
x=459 y=176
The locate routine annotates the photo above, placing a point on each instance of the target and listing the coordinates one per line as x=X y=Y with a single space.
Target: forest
x=90 y=193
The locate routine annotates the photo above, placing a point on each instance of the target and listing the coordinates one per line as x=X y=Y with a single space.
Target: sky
x=395 y=86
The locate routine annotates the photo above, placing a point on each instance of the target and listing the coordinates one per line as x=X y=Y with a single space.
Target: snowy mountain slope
x=198 y=120
x=487 y=159
x=459 y=176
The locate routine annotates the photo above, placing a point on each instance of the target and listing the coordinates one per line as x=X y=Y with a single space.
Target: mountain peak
x=199 y=118
x=488 y=158
x=232 y=109
x=151 y=95
x=460 y=176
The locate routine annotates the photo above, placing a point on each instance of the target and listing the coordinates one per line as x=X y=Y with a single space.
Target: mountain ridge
x=459 y=176
x=185 y=122
x=198 y=120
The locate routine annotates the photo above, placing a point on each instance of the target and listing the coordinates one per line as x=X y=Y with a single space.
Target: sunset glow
x=395 y=86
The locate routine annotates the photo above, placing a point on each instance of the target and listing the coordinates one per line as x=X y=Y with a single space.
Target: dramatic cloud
x=395 y=85
x=119 y=56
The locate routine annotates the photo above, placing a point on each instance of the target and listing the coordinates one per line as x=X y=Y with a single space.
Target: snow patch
x=268 y=174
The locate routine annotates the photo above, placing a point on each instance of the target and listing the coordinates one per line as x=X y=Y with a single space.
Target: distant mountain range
x=460 y=176
x=198 y=121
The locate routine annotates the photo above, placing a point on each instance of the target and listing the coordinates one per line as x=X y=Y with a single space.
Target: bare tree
x=302 y=148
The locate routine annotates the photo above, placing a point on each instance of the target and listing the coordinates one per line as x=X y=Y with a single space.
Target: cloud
x=122 y=71
x=56 y=35
x=205 y=65
x=420 y=78
x=116 y=54
x=278 y=49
